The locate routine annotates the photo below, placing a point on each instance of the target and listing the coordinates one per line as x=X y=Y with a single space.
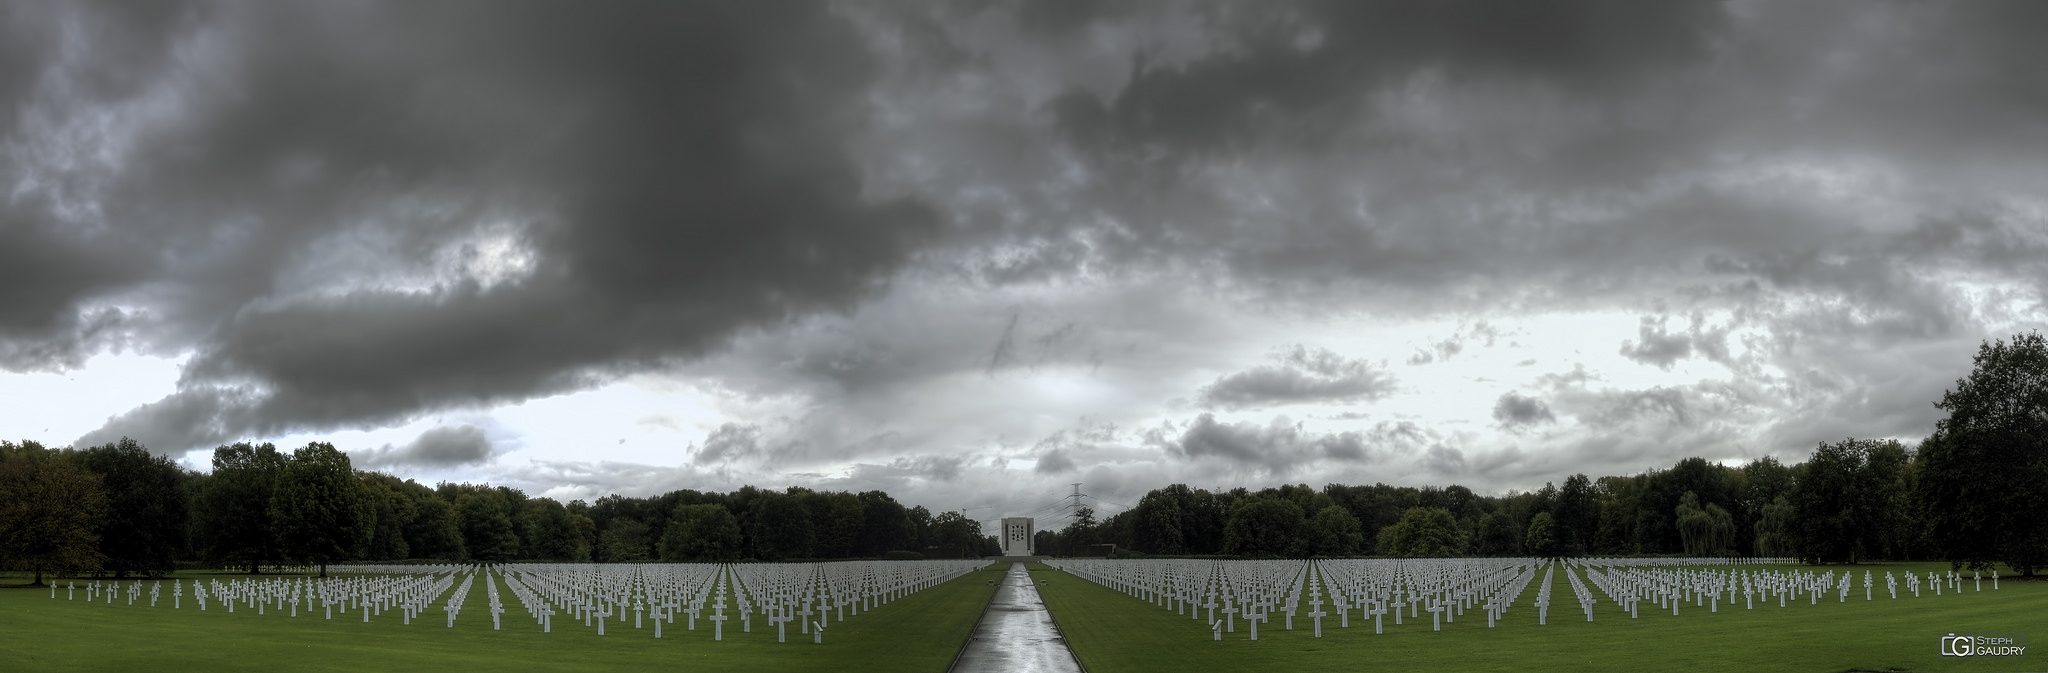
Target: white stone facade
x=1017 y=536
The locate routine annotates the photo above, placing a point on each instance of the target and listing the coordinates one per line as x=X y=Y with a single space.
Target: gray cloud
x=1300 y=374
x=835 y=217
x=442 y=447
x=1276 y=448
x=1513 y=409
x=1654 y=346
x=1054 y=461
x=516 y=206
x=730 y=441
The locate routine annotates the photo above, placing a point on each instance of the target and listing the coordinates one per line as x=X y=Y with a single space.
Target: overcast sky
x=972 y=252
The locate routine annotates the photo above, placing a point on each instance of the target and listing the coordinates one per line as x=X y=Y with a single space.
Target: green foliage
x=551 y=533
x=51 y=510
x=234 y=508
x=1707 y=531
x=147 y=513
x=1774 y=529
x=319 y=512
x=1541 y=538
x=1426 y=532
x=1334 y=531
x=886 y=525
x=486 y=523
x=953 y=535
x=781 y=528
x=1497 y=535
x=1983 y=475
x=701 y=533
x=1265 y=526
x=1846 y=505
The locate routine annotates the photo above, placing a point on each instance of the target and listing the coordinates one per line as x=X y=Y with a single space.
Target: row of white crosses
x=410 y=592
x=1254 y=590
x=1629 y=582
x=812 y=594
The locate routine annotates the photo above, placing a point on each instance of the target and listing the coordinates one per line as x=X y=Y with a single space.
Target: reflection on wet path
x=1016 y=635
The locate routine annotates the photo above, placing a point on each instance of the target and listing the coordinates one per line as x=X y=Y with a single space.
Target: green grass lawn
x=1112 y=632
x=920 y=632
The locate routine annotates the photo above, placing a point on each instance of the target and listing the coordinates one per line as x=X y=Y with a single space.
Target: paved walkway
x=1016 y=634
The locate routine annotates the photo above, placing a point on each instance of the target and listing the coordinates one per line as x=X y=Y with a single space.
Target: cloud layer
x=978 y=251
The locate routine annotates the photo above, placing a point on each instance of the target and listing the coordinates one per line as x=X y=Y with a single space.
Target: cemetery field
x=1113 y=632
x=918 y=632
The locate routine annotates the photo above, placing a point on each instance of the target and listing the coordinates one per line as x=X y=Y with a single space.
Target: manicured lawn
x=920 y=632
x=1114 y=633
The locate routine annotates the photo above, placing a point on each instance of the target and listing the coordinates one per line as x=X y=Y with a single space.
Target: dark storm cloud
x=666 y=174
x=1300 y=374
x=1308 y=62
x=451 y=446
x=1513 y=409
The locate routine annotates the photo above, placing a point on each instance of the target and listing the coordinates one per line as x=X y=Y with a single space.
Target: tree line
x=120 y=509
x=1975 y=491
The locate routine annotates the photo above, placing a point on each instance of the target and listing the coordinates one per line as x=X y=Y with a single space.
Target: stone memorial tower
x=1017 y=536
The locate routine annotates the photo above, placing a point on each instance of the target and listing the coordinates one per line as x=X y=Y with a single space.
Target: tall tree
x=319 y=512
x=486 y=522
x=1774 y=529
x=233 y=515
x=781 y=528
x=435 y=530
x=1497 y=535
x=701 y=533
x=886 y=525
x=1334 y=532
x=1828 y=502
x=1577 y=516
x=1706 y=531
x=146 y=510
x=1426 y=532
x=1265 y=526
x=1983 y=475
x=50 y=511
x=1541 y=539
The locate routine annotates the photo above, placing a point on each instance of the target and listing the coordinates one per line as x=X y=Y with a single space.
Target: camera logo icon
x=1953 y=645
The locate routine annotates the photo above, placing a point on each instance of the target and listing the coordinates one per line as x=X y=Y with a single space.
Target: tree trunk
x=253 y=569
x=39 y=577
x=323 y=570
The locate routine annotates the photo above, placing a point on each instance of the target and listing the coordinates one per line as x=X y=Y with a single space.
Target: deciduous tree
x=1983 y=475
x=319 y=512
x=50 y=511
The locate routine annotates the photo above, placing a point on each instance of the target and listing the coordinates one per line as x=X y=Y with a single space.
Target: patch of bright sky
x=57 y=408
x=637 y=420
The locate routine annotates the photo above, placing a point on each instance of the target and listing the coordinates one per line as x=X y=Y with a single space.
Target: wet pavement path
x=1016 y=634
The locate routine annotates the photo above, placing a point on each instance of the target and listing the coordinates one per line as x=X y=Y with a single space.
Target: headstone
x=1216 y=629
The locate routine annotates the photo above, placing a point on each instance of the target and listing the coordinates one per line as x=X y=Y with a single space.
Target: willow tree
x=1705 y=531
